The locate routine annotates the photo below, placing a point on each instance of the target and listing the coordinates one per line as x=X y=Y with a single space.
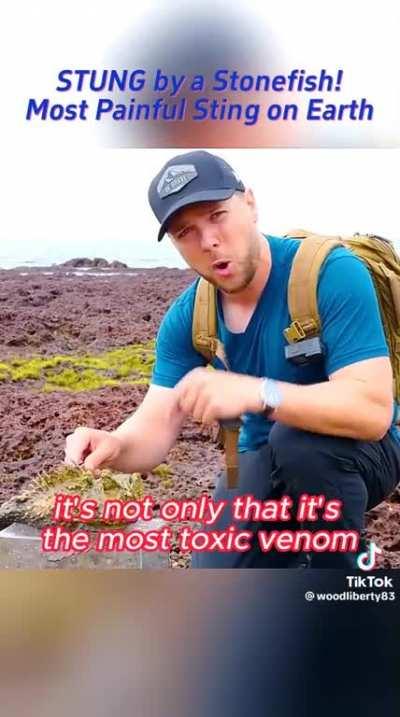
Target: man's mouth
x=222 y=268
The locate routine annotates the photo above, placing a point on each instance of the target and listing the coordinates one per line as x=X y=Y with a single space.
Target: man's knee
x=318 y=464
x=294 y=450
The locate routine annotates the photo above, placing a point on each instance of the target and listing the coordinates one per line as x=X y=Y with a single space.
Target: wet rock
x=16 y=341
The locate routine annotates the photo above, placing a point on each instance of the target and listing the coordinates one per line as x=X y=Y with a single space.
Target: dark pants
x=294 y=462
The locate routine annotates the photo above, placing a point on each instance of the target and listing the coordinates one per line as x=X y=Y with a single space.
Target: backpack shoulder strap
x=303 y=283
x=204 y=323
x=206 y=342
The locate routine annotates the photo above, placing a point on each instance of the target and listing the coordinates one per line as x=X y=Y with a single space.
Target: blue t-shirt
x=352 y=330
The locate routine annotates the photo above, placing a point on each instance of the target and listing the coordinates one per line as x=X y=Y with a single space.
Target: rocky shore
x=76 y=349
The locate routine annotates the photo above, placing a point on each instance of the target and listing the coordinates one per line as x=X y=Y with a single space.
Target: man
x=320 y=429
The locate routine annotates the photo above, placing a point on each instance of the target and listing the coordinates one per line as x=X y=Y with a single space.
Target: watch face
x=264 y=393
x=271 y=394
x=277 y=397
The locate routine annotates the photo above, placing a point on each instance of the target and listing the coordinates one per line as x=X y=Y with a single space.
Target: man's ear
x=172 y=240
x=250 y=200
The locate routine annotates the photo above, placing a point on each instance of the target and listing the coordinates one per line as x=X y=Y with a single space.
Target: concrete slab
x=20 y=547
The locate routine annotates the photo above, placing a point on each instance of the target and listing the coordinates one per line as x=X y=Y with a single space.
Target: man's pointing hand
x=210 y=395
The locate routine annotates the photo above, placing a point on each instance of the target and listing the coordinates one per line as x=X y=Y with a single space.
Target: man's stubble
x=248 y=267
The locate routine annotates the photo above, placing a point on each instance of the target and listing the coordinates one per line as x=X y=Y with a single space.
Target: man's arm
x=149 y=434
x=356 y=402
x=143 y=440
x=137 y=445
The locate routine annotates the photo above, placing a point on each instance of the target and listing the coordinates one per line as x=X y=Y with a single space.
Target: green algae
x=164 y=472
x=128 y=365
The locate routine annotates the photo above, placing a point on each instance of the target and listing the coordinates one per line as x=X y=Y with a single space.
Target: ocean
x=136 y=254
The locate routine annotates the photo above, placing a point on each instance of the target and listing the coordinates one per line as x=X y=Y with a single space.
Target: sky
x=103 y=201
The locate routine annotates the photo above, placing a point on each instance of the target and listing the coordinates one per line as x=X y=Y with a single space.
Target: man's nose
x=209 y=238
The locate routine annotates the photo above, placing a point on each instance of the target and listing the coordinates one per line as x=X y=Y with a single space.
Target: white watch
x=270 y=395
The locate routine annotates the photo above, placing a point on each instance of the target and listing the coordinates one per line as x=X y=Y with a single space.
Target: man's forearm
x=339 y=408
x=348 y=406
x=142 y=450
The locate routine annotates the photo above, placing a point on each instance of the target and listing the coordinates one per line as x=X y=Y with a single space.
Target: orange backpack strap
x=204 y=323
x=206 y=342
x=303 y=284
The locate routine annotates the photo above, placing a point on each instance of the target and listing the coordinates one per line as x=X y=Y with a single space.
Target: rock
x=79 y=262
x=96 y=263
x=16 y=341
x=118 y=265
x=100 y=263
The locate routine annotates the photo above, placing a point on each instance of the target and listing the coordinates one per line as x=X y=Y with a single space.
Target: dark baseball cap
x=189 y=178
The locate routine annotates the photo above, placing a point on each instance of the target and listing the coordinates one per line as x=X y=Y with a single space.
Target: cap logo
x=175 y=178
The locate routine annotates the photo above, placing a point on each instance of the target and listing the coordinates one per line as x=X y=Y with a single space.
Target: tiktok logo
x=366 y=561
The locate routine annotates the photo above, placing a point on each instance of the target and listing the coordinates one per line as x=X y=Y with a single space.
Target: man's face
x=219 y=240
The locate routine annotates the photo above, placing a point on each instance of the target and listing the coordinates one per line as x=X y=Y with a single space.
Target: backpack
x=303 y=333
